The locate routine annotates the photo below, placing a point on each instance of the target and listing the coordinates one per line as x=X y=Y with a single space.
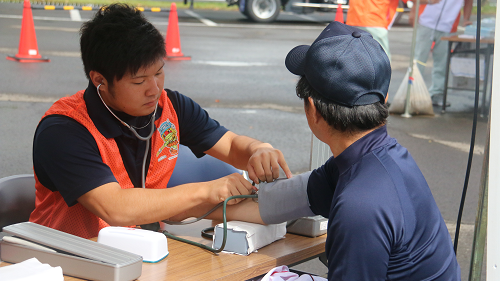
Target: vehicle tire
x=242 y=6
x=262 y=10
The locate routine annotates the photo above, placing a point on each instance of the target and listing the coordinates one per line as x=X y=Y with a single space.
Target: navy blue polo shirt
x=383 y=221
x=66 y=157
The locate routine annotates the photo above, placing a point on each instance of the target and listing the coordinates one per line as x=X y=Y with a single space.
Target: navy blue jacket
x=383 y=221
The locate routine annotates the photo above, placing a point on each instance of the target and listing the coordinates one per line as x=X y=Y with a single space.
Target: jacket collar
x=361 y=147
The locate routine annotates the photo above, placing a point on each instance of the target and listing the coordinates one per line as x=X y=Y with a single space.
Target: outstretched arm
x=261 y=160
x=136 y=206
x=279 y=201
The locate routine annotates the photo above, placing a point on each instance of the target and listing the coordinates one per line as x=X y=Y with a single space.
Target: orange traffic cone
x=173 y=41
x=339 y=16
x=28 y=48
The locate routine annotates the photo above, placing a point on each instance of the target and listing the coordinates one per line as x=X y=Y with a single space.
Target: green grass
x=487 y=10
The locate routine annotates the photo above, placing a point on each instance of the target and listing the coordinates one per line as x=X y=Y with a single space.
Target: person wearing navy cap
x=383 y=222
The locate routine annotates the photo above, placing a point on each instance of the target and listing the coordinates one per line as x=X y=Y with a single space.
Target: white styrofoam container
x=152 y=246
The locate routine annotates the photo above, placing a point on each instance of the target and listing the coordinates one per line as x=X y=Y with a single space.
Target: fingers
x=264 y=165
x=242 y=187
x=275 y=170
x=284 y=166
x=252 y=174
x=232 y=185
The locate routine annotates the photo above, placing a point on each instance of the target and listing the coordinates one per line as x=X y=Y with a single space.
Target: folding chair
x=17 y=198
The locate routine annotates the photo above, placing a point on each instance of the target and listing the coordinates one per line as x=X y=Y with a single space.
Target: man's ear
x=97 y=78
x=313 y=112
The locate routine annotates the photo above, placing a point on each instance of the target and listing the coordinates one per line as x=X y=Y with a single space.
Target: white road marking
x=478 y=149
x=75 y=15
x=248 y=111
x=38 y=18
x=200 y=18
x=463 y=227
x=248 y=26
x=271 y=106
x=65 y=29
x=26 y=98
x=45 y=53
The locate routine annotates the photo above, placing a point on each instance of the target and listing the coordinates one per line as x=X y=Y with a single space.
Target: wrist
x=260 y=145
x=198 y=193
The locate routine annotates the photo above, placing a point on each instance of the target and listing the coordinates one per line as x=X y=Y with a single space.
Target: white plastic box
x=152 y=246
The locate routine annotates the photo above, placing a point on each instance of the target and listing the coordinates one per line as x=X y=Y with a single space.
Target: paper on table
x=31 y=269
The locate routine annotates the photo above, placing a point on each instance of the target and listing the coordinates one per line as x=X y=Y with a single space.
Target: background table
x=188 y=262
x=487 y=52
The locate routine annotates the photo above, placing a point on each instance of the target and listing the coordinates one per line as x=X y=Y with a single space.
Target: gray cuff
x=284 y=200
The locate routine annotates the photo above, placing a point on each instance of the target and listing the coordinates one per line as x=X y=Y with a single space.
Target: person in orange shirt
x=124 y=130
x=374 y=16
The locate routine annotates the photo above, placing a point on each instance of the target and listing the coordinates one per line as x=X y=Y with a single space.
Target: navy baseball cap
x=344 y=65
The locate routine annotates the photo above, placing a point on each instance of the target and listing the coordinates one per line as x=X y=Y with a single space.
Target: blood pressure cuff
x=284 y=199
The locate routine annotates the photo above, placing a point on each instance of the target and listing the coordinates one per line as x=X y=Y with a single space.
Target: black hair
x=119 y=40
x=358 y=118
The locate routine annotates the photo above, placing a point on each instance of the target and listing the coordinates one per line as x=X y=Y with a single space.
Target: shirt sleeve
x=366 y=224
x=321 y=186
x=66 y=158
x=197 y=130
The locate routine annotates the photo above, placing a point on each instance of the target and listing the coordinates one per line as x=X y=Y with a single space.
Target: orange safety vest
x=50 y=208
x=373 y=13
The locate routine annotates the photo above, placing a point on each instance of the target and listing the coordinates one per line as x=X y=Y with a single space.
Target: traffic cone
x=28 y=48
x=339 y=16
x=173 y=40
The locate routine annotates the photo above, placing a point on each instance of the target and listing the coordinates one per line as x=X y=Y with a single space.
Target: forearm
x=135 y=206
x=247 y=210
x=236 y=149
x=279 y=201
x=467 y=10
x=261 y=160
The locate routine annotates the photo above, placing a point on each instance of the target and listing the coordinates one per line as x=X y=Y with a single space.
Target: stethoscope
x=132 y=129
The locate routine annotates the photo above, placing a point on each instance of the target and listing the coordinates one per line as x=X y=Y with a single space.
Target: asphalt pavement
x=237 y=74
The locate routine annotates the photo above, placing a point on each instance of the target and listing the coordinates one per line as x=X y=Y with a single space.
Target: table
x=487 y=52
x=188 y=262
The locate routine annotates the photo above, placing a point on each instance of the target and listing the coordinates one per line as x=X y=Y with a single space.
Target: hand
x=265 y=162
x=467 y=22
x=223 y=188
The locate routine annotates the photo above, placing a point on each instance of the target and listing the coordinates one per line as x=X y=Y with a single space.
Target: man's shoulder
x=373 y=179
x=53 y=126
x=58 y=121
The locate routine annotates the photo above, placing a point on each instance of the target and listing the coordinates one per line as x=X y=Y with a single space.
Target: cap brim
x=295 y=60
